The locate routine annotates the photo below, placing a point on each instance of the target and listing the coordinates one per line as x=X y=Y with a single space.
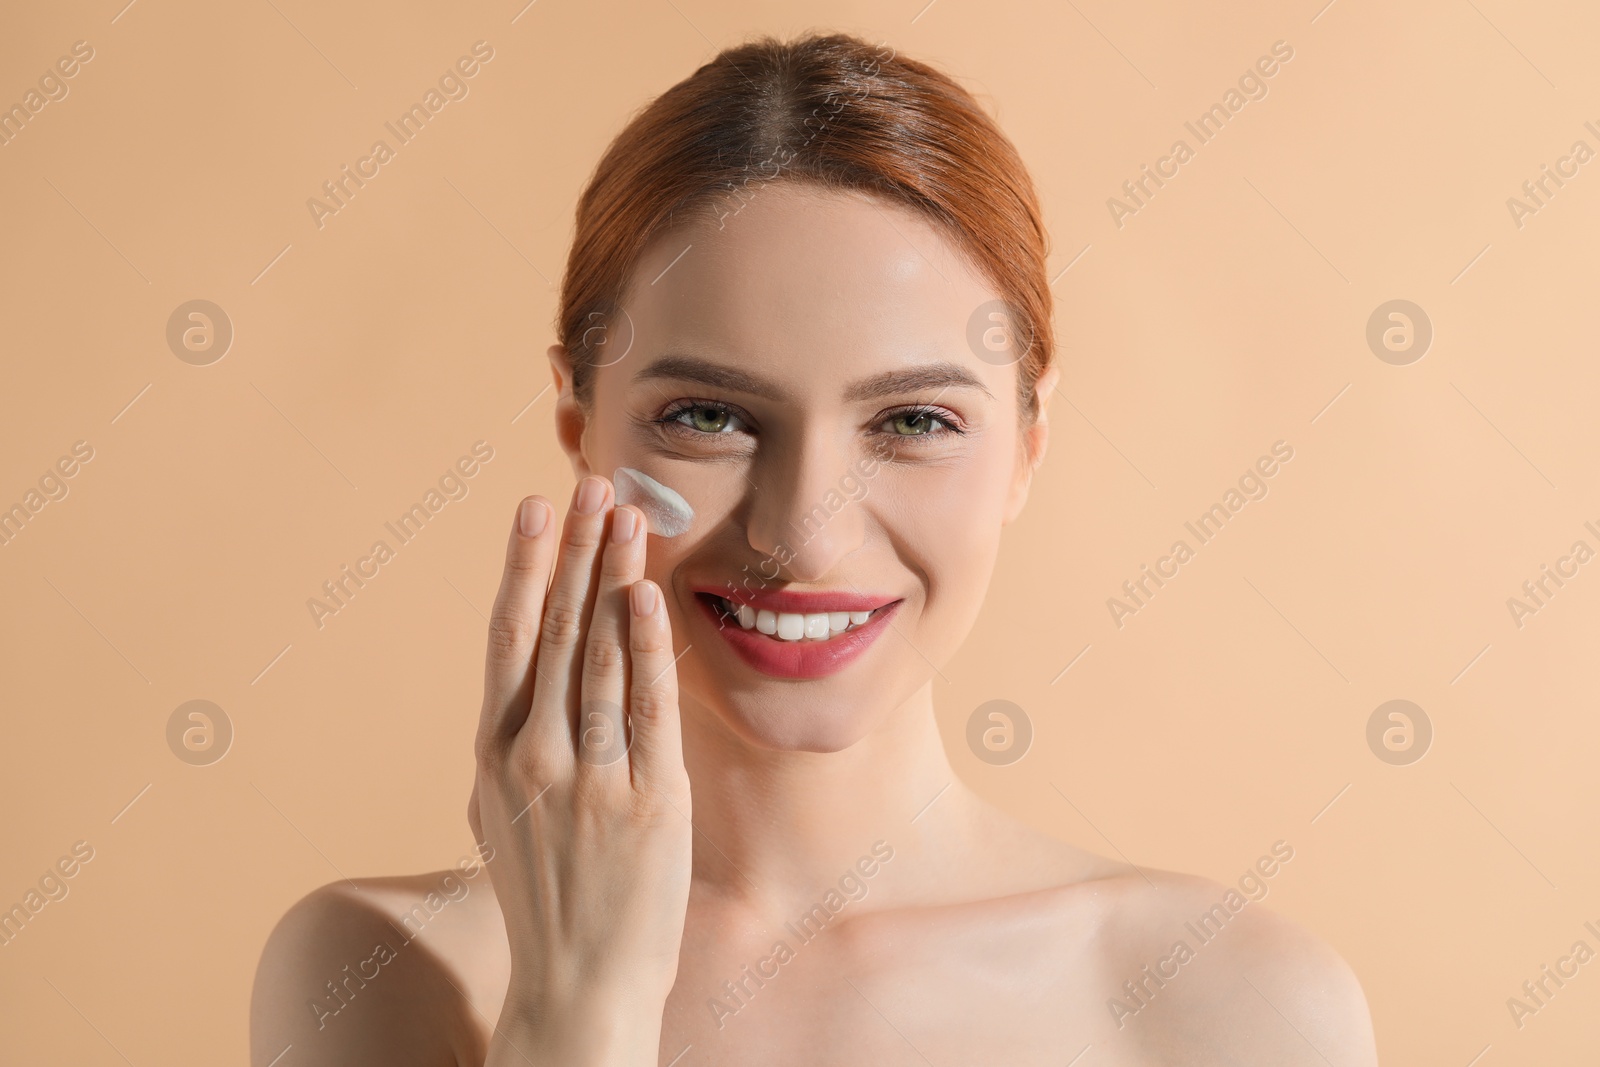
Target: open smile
x=798 y=643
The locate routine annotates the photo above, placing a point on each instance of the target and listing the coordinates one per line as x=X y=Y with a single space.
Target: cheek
x=662 y=557
x=712 y=489
x=711 y=493
x=945 y=522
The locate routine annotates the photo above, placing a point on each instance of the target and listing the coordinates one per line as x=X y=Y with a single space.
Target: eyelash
x=669 y=420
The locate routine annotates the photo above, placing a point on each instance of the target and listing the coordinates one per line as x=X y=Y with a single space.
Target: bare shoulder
x=1163 y=967
x=396 y=970
x=1198 y=971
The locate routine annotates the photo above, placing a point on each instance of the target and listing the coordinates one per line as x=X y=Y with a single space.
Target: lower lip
x=805 y=658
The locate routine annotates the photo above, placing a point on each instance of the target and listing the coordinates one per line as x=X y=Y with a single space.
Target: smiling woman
x=672 y=757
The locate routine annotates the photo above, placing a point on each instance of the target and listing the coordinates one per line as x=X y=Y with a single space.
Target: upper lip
x=796 y=602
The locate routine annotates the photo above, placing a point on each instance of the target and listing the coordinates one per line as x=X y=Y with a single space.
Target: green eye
x=702 y=419
x=707 y=420
x=918 y=422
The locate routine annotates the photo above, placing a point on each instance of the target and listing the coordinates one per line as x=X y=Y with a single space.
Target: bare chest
x=914 y=990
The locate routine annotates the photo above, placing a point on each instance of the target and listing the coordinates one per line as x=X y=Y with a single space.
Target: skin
x=603 y=925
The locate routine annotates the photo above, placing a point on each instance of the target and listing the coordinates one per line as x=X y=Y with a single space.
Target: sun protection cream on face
x=667 y=513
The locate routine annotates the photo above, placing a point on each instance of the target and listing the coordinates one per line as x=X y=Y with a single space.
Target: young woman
x=807 y=295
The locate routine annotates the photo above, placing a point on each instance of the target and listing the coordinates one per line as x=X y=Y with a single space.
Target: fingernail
x=623 y=524
x=591 y=494
x=532 y=517
x=643 y=597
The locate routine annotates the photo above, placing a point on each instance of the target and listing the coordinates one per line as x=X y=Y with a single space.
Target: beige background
x=1229 y=313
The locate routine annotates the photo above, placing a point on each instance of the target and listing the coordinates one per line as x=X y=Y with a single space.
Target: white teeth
x=792 y=626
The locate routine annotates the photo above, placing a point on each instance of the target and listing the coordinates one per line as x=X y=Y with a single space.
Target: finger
x=567 y=607
x=602 y=739
x=514 y=622
x=656 y=752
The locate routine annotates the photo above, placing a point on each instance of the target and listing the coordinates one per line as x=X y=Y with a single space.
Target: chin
x=791 y=723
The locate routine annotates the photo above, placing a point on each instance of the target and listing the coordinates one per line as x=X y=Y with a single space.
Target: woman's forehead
x=833 y=281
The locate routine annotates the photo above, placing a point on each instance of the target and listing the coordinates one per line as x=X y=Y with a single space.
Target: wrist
x=590 y=1029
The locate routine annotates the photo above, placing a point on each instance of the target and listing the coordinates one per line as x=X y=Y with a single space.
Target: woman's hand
x=587 y=814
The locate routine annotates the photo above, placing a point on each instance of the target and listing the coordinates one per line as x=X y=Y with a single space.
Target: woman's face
x=803 y=376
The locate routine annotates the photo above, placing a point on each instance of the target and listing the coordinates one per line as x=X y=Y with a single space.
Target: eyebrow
x=941 y=375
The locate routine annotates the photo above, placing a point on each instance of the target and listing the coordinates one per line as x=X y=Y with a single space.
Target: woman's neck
x=773 y=827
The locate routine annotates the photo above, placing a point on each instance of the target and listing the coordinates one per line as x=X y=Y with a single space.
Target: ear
x=570 y=419
x=1031 y=449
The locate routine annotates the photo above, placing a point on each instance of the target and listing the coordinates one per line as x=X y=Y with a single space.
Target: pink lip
x=800 y=603
x=805 y=658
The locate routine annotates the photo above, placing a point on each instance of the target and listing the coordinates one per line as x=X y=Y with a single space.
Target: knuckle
x=602 y=656
x=649 y=704
x=563 y=621
x=676 y=790
x=649 y=641
x=681 y=797
x=583 y=534
x=511 y=634
x=530 y=765
x=488 y=756
x=521 y=564
x=619 y=559
x=653 y=804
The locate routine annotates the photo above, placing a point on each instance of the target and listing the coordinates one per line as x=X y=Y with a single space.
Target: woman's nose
x=803 y=516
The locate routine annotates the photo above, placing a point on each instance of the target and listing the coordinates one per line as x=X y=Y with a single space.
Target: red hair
x=834 y=111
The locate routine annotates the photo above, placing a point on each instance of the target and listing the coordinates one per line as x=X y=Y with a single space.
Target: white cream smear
x=666 y=512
